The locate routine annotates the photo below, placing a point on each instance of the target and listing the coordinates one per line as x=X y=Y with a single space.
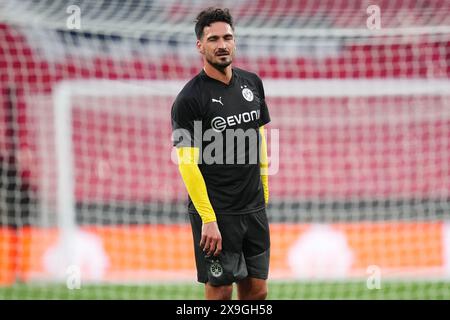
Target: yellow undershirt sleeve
x=264 y=165
x=194 y=182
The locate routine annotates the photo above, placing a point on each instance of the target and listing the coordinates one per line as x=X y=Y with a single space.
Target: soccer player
x=227 y=200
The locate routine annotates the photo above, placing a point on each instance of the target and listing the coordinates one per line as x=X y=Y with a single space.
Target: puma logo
x=219 y=101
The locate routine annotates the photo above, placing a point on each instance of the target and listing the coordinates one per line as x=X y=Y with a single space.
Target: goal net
x=91 y=201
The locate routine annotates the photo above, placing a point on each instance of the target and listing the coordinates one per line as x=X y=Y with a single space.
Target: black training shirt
x=230 y=114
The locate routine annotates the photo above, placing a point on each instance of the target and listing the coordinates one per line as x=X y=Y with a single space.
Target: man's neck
x=212 y=72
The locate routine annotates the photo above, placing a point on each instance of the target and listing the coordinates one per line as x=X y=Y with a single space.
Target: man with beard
x=227 y=200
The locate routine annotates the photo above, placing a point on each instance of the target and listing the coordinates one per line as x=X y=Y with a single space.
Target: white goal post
x=66 y=92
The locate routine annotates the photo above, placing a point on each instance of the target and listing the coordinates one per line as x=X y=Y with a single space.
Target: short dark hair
x=209 y=16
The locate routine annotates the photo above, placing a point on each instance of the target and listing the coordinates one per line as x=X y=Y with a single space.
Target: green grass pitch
x=277 y=291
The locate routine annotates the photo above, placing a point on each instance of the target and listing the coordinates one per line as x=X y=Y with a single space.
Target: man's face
x=217 y=45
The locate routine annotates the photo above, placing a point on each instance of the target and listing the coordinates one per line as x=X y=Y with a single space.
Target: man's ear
x=200 y=47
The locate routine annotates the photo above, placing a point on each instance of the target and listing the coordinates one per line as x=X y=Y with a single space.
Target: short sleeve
x=264 y=111
x=185 y=111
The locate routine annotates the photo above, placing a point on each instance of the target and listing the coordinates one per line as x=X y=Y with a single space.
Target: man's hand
x=211 y=241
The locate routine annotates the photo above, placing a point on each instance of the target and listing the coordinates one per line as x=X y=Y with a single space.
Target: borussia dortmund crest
x=247 y=94
x=216 y=269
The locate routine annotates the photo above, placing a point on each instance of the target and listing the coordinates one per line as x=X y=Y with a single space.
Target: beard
x=220 y=65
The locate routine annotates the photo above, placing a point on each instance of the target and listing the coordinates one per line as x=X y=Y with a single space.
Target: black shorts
x=245 y=249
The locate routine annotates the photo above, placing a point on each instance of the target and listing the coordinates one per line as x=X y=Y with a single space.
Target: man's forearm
x=264 y=165
x=194 y=182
